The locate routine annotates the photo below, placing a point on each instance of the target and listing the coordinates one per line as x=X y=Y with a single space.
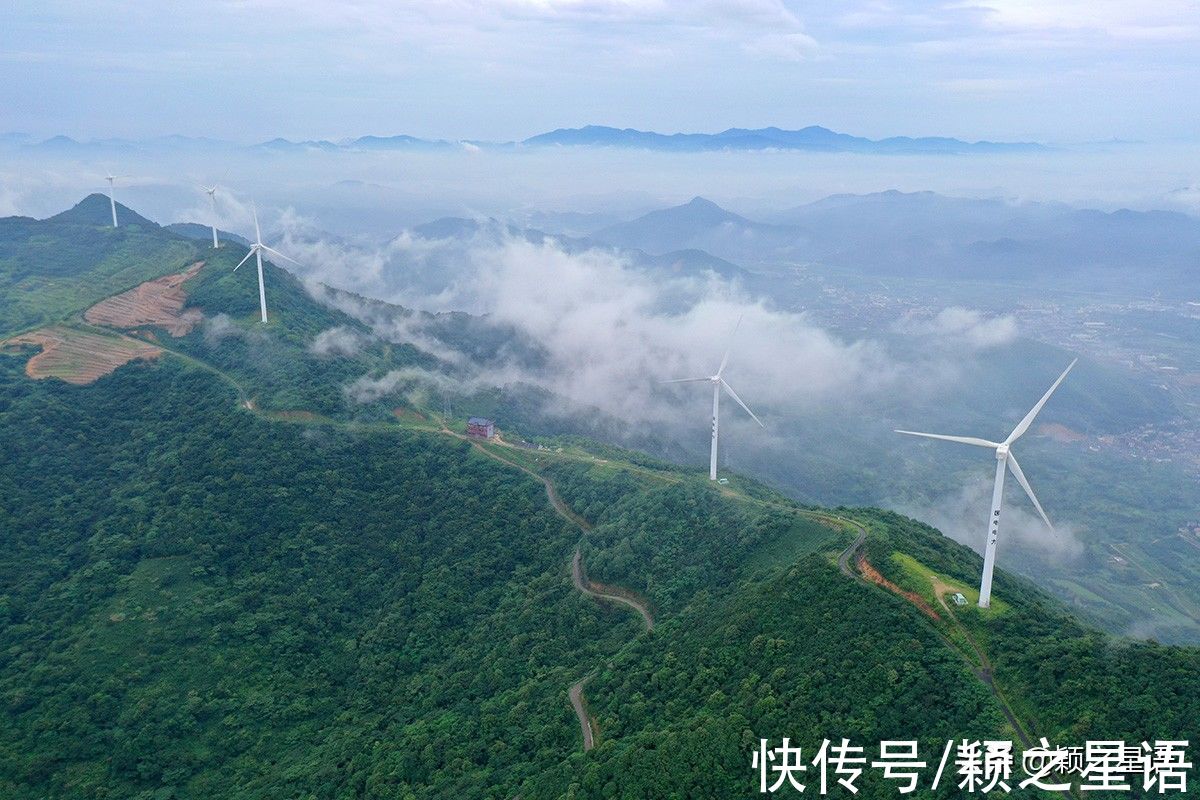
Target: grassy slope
x=1069 y=682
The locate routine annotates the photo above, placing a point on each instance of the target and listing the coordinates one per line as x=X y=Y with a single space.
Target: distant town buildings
x=481 y=427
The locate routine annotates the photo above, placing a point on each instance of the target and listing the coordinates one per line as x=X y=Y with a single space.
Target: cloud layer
x=611 y=333
x=963 y=515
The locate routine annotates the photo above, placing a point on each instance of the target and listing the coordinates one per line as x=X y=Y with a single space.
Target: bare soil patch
x=79 y=357
x=158 y=302
x=873 y=575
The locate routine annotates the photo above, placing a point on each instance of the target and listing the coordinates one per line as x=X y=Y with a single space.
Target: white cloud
x=482 y=28
x=339 y=341
x=1117 y=19
x=796 y=46
x=956 y=326
x=219 y=327
x=963 y=516
x=610 y=332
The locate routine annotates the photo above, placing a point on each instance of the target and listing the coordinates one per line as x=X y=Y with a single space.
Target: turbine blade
x=729 y=347
x=1020 y=476
x=244 y=260
x=686 y=380
x=257 y=232
x=1024 y=424
x=275 y=252
x=959 y=439
x=738 y=400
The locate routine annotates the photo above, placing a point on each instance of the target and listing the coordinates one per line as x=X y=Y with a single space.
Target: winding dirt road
x=983 y=670
x=575 y=692
x=592 y=590
x=585 y=720
x=848 y=553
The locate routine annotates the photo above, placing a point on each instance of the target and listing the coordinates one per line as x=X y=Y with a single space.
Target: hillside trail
x=587 y=725
x=984 y=672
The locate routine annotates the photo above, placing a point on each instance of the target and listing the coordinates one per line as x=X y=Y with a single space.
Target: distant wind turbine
x=719 y=383
x=1004 y=457
x=256 y=250
x=212 y=196
x=112 y=200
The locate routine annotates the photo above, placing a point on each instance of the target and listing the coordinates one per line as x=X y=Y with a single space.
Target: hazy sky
x=1051 y=70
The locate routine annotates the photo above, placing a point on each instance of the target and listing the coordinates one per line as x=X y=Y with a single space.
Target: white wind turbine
x=256 y=250
x=1004 y=458
x=717 y=384
x=212 y=196
x=112 y=200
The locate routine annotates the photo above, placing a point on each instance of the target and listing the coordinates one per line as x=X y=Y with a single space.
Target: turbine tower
x=1004 y=458
x=112 y=200
x=212 y=196
x=718 y=383
x=256 y=250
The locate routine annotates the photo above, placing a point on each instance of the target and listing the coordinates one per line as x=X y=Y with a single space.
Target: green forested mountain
x=218 y=579
x=54 y=267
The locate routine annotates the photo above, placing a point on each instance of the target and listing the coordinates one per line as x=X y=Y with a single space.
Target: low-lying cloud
x=339 y=341
x=611 y=332
x=963 y=515
x=961 y=327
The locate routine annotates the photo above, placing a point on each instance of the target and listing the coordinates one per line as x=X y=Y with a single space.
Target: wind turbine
x=112 y=200
x=1004 y=458
x=212 y=196
x=256 y=250
x=719 y=383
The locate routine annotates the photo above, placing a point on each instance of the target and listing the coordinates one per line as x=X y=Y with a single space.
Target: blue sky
x=1050 y=70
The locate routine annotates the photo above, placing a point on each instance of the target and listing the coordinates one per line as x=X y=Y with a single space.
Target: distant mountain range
x=813 y=138
x=930 y=235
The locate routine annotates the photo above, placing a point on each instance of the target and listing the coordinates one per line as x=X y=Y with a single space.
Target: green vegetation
x=52 y=269
x=1071 y=683
x=202 y=600
x=276 y=362
x=316 y=598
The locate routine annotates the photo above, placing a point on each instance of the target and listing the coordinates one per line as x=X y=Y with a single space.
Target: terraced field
x=77 y=356
x=158 y=302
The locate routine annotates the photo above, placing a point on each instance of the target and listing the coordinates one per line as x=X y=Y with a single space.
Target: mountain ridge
x=96 y=209
x=813 y=138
